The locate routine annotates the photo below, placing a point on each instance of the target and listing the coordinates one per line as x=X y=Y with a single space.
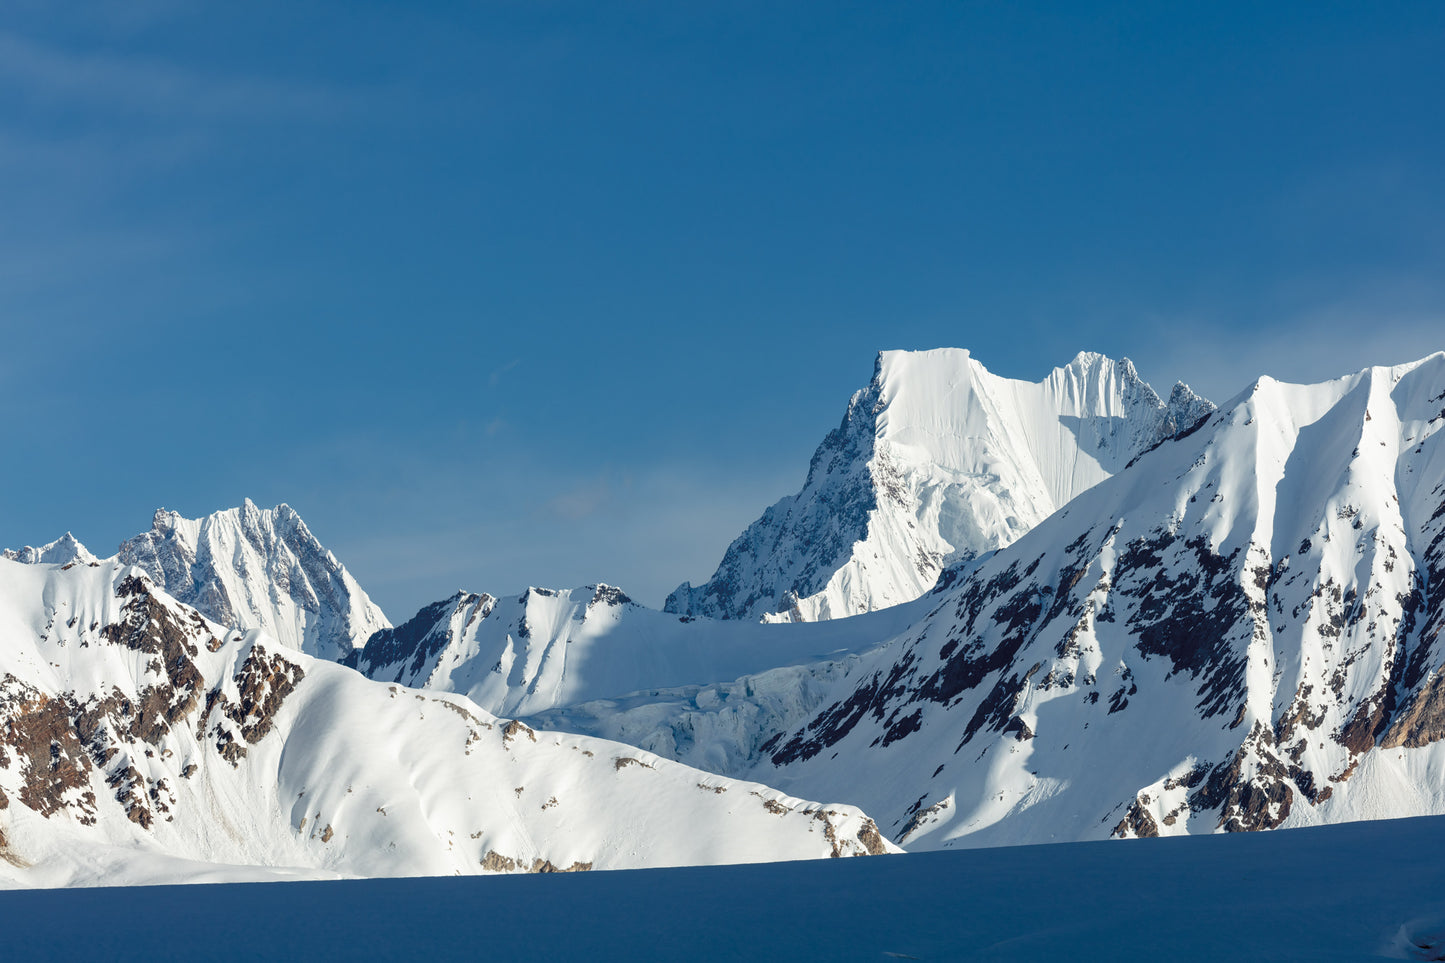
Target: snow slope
x=936 y=463
x=1348 y=893
x=1240 y=631
x=138 y=739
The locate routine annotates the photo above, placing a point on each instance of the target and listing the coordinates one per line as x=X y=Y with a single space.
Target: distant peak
x=604 y=594
x=1086 y=359
x=166 y=520
x=1086 y=362
x=67 y=548
x=893 y=358
x=1182 y=394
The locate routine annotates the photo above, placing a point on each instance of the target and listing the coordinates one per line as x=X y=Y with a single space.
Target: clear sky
x=514 y=293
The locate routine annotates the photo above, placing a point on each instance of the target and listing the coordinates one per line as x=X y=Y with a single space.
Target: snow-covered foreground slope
x=139 y=740
x=1241 y=631
x=936 y=463
x=1354 y=892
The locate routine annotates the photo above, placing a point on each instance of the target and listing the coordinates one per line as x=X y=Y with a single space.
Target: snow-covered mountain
x=936 y=463
x=139 y=740
x=257 y=568
x=1243 y=630
x=247 y=568
x=1233 y=621
x=552 y=648
x=63 y=550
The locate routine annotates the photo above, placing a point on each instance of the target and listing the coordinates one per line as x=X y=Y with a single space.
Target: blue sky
x=528 y=292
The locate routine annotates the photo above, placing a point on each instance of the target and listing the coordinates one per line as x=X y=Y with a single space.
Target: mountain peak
x=1240 y=631
x=1088 y=360
x=63 y=551
x=937 y=461
x=258 y=568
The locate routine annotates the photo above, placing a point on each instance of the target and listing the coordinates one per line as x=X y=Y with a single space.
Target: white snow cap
x=936 y=463
x=63 y=551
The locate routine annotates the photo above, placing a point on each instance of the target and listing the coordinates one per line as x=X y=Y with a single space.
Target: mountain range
x=997 y=612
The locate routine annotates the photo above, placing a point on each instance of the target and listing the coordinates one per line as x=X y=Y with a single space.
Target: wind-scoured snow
x=142 y=741
x=1240 y=631
x=936 y=463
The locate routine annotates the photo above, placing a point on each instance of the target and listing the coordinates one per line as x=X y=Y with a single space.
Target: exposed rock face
x=936 y=463
x=1241 y=631
x=70 y=741
x=255 y=568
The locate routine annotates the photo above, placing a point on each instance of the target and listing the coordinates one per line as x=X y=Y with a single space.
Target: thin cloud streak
x=155 y=87
x=495 y=378
x=1321 y=344
x=670 y=524
x=581 y=502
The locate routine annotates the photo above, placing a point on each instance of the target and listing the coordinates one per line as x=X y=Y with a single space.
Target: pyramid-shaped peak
x=260 y=568
x=63 y=551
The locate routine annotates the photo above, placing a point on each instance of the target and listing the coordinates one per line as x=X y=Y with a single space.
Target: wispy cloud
x=1385 y=323
x=144 y=85
x=645 y=532
x=495 y=378
x=581 y=501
